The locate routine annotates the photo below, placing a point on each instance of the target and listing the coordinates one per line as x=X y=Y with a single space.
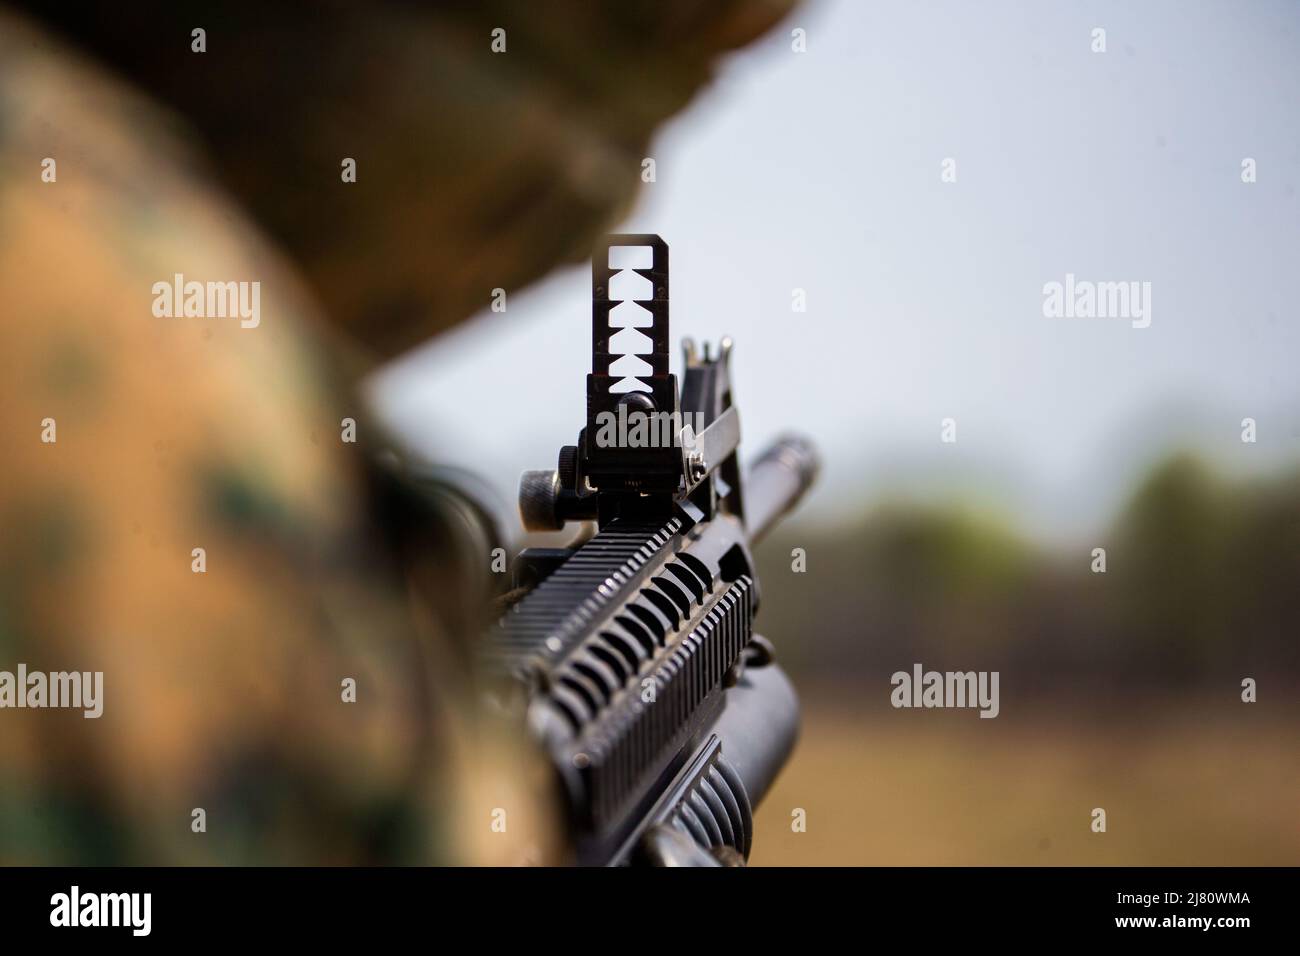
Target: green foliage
x=1202 y=580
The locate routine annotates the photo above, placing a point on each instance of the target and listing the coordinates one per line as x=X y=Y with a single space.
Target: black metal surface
x=777 y=481
x=759 y=727
x=706 y=803
x=617 y=468
x=628 y=655
x=545 y=625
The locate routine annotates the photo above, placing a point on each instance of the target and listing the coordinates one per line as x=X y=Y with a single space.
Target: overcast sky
x=822 y=171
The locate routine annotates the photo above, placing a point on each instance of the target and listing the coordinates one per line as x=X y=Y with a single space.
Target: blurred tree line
x=1202 y=583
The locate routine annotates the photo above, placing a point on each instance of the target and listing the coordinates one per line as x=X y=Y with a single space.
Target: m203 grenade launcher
x=631 y=654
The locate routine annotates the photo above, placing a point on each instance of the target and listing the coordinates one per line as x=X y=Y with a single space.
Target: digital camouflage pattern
x=223 y=689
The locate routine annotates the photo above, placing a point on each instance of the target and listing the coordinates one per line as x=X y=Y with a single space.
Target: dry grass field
x=1182 y=785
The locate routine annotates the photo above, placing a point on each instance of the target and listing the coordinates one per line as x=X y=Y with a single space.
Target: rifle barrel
x=777 y=481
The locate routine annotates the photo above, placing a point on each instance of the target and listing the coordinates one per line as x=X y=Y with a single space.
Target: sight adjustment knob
x=539 y=492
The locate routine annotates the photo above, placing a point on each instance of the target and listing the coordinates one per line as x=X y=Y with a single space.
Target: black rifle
x=632 y=654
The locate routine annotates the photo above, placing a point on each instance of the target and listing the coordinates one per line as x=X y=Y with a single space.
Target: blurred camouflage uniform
x=223 y=689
